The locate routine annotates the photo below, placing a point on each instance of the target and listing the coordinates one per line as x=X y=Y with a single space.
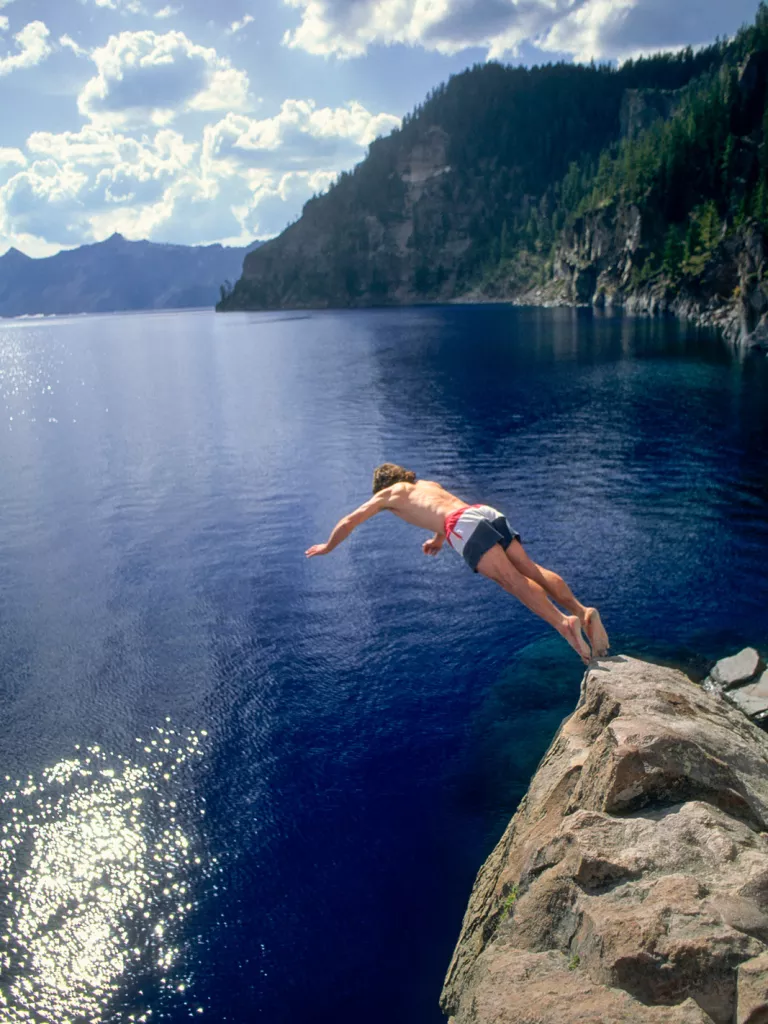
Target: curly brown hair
x=388 y=474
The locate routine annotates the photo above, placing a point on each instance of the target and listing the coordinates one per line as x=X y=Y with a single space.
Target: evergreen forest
x=487 y=180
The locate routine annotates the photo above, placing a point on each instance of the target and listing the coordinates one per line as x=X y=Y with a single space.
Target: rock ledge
x=632 y=884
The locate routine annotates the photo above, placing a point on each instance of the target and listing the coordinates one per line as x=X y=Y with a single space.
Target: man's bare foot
x=572 y=633
x=596 y=634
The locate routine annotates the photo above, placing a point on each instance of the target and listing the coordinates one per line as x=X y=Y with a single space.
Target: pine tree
x=504 y=243
x=727 y=164
x=691 y=244
x=760 y=201
x=709 y=222
x=674 y=252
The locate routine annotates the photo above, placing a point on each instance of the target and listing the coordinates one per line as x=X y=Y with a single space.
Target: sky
x=200 y=121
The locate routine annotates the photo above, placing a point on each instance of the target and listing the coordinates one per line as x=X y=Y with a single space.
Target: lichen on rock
x=639 y=862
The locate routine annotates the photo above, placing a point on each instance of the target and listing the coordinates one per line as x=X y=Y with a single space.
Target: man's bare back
x=425 y=504
x=488 y=544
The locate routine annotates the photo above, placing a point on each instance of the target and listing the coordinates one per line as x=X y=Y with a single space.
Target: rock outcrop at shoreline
x=595 y=263
x=632 y=884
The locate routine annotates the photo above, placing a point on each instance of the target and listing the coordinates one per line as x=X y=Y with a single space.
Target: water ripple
x=98 y=859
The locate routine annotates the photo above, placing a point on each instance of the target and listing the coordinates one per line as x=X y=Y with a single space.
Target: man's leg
x=496 y=566
x=559 y=591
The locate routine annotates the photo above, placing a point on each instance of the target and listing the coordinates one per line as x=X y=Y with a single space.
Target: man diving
x=488 y=545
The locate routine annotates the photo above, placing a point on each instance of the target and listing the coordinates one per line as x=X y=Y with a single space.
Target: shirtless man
x=488 y=545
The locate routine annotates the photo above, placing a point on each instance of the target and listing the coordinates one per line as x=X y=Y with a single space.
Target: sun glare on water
x=99 y=857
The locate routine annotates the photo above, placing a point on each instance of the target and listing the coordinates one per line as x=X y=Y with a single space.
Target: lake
x=238 y=785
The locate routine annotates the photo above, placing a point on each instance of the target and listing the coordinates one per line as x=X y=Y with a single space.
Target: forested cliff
x=644 y=185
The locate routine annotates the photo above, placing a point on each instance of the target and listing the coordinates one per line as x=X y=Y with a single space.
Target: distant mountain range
x=117 y=275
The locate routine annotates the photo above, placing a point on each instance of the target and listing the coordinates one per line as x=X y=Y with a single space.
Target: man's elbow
x=354 y=519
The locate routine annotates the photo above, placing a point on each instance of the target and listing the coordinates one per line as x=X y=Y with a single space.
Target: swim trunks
x=475 y=529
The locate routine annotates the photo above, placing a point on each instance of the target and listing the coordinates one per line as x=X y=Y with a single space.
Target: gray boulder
x=632 y=884
x=739 y=668
x=752 y=699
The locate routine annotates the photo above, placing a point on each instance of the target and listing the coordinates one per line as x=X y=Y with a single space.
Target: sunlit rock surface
x=632 y=884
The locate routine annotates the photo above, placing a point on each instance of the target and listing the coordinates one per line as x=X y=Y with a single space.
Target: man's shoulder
x=399 y=490
x=388 y=494
x=397 y=494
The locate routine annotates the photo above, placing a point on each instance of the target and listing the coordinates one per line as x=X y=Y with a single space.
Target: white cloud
x=238 y=26
x=279 y=198
x=79 y=181
x=347 y=28
x=100 y=147
x=630 y=27
x=301 y=135
x=146 y=77
x=40 y=200
x=69 y=44
x=135 y=7
x=227 y=90
x=3 y=19
x=246 y=178
x=33 y=46
x=583 y=28
x=582 y=31
x=12 y=157
x=130 y=6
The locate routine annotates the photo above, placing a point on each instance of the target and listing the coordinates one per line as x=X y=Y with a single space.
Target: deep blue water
x=241 y=786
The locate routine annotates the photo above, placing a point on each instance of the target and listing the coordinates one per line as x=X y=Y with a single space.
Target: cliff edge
x=632 y=884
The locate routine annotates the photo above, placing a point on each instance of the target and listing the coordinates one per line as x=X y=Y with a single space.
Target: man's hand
x=316 y=549
x=433 y=546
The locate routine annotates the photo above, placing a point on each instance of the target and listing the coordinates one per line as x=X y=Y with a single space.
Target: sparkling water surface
x=237 y=785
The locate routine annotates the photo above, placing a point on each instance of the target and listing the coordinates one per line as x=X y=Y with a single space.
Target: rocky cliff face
x=641 y=108
x=330 y=259
x=468 y=180
x=598 y=260
x=632 y=884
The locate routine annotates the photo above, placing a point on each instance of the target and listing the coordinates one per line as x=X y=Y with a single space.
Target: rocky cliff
x=328 y=258
x=455 y=188
x=598 y=261
x=643 y=187
x=632 y=884
x=675 y=221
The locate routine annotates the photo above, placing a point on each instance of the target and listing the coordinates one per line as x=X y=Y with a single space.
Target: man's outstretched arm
x=345 y=526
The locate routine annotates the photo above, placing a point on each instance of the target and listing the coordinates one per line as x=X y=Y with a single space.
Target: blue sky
x=194 y=121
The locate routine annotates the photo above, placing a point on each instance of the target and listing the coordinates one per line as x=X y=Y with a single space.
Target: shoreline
x=724 y=319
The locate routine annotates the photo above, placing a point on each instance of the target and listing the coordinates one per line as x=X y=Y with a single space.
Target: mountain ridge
x=496 y=186
x=116 y=275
